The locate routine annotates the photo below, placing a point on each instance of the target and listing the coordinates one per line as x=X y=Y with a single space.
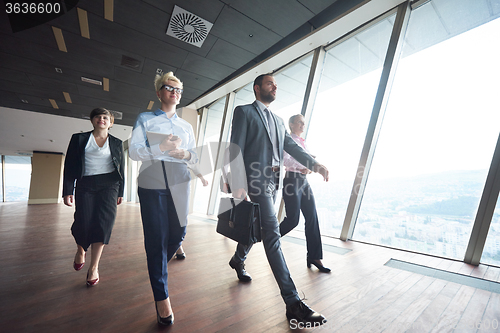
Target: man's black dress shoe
x=318 y=266
x=166 y=321
x=302 y=313
x=180 y=256
x=239 y=267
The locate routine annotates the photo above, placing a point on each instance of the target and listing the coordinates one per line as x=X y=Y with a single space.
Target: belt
x=275 y=168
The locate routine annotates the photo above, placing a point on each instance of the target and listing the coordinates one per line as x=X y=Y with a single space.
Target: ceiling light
x=159 y=71
x=59 y=39
x=250 y=35
x=58 y=70
x=67 y=97
x=53 y=103
x=86 y=79
x=116 y=114
x=108 y=10
x=84 y=23
x=150 y=105
x=105 y=85
x=24 y=101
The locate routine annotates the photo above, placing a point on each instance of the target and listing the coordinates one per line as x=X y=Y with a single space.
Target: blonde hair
x=160 y=79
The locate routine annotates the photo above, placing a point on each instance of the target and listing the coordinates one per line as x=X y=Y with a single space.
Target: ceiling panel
x=229 y=54
x=236 y=28
x=206 y=67
x=264 y=12
x=316 y=6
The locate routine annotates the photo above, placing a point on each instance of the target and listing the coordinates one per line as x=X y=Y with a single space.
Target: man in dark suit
x=258 y=139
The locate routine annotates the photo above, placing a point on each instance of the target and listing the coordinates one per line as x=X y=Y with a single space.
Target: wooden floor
x=40 y=291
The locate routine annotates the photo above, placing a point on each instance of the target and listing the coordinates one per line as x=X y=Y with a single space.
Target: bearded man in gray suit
x=258 y=139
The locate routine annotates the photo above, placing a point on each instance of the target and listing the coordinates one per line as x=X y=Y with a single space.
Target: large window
x=439 y=132
x=292 y=82
x=208 y=153
x=17 y=178
x=340 y=117
x=491 y=252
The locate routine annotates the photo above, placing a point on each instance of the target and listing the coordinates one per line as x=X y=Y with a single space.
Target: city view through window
x=435 y=148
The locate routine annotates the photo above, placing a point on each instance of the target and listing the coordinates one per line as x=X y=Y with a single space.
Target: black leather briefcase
x=239 y=220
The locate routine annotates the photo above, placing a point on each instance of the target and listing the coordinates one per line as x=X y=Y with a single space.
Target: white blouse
x=97 y=159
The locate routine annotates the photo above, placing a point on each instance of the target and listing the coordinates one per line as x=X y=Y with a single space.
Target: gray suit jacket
x=251 y=151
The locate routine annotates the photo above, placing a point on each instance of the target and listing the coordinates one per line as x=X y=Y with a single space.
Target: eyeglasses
x=178 y=91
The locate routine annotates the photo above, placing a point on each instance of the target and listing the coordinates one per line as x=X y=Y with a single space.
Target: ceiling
x=129 y=49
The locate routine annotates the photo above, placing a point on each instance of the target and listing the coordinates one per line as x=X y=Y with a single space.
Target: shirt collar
x=159 y=112
x=261 y=105
x=295 y=136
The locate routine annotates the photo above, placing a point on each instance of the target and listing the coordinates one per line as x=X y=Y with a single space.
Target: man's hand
x=168 y=144
x=119 y=201
x=68 y=200
x=240 y=194
x=322 y=170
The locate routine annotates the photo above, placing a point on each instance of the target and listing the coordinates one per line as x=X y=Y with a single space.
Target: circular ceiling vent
x=188 y=27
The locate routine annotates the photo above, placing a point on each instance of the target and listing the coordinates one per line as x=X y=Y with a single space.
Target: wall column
x=46 y=178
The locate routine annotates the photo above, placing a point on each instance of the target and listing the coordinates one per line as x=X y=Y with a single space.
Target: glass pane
x=439 y=132
x=292 y=83
x=491 y=252
x=212 y=133
x=1 y=180
x=17 y=178
x=340 y=117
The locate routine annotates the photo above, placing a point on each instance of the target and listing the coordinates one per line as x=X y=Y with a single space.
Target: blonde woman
x=163 y=184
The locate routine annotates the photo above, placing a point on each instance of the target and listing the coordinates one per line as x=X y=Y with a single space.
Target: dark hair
x=99 y=111
x=258 y=81
x=292 y=120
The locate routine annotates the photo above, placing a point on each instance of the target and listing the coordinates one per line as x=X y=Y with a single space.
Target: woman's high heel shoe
x=167 y=321
x=91 y=283
x=318 y=266
x=78 y=267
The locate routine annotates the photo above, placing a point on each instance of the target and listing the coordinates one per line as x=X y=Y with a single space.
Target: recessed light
x=24 y=101
x=58 y=70
x=159 y=71
x=250 y=35
x=86 y=79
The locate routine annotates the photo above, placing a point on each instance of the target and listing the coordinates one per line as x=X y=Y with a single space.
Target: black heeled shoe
x=318 y=266
x=167 y=321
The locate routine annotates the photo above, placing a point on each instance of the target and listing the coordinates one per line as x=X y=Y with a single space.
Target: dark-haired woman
x=95 y=160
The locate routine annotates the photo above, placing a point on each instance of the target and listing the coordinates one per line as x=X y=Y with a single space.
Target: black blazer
x=251 y=140
x=74 y=163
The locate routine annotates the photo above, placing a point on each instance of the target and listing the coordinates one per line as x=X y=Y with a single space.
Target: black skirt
x=95 y=208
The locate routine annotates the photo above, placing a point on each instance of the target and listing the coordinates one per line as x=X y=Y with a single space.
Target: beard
x=267 y=97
